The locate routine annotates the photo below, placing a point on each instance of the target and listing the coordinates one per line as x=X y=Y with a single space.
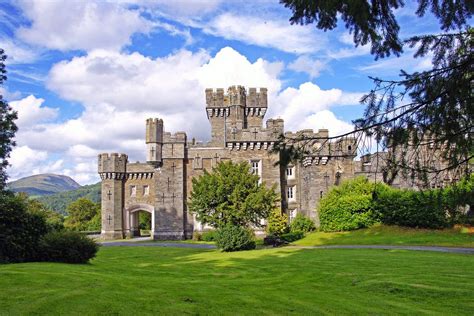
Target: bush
x=210 y=235
x=68 y=247
x=19 y=230
x=349 y=206
x=277 y=223
x=302 y=223
x=274 y=240
x=197 y=236
x=412 y=208
x=292 y=236
x=234 y=238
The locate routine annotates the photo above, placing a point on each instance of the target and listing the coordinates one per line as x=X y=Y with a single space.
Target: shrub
x=210 y=235
x=277 y=223
x=68 y=247
x=273 y=240
x=234 y=238
x=349 y=206
x=292 y=236
x=423 y=209
x=302 y=223
x=19 y=230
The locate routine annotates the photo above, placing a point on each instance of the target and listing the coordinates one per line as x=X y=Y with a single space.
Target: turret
x=154 y=140
x=112 y=170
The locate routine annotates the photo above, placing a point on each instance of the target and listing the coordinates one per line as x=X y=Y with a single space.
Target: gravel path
x=206 y=246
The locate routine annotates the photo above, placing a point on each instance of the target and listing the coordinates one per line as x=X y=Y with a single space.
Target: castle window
x=146 y=190
x=256 y=168
x=349 y=148
x=290 y=172
x=291 y=193
x=133 y=190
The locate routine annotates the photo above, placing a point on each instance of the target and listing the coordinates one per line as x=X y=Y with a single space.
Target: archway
x=137 y=220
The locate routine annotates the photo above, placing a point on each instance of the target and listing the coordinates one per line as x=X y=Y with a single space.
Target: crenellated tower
x=112 y=170
x=232 y=112
x=154 y=140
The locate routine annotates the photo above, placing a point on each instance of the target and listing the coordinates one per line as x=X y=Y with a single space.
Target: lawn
x=155 y=280
x=392 y=235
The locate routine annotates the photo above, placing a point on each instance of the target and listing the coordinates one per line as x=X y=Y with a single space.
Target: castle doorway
x=140 y=220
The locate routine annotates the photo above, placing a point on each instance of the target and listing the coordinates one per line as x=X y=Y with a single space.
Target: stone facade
x=161 y=186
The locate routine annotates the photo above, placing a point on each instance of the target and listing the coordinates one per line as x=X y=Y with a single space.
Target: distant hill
x=43 y=184
x=59 y=201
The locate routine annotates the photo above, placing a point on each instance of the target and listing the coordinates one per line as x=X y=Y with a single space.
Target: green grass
x=392 y=235
x=176 y=281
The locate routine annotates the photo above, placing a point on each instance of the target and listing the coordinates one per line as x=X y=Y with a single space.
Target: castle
x=162 y=184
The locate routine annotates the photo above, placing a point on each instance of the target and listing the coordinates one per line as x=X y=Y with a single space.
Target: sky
x=85 y=75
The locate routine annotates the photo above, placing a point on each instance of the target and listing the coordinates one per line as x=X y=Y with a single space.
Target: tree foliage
x=277 y=223
x=7 y=126
x=230 y=194
x=54 y=221
x=83 y=215
x=426 y=108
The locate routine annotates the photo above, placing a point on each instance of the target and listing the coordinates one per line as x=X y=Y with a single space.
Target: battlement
x=236 y=95
x=154 y=130
x=178 y=137
x=112 y=163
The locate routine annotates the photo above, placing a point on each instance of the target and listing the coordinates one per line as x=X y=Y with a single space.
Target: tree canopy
x=427 y=108
x=231 y=194
x=7 y=125
x=83 y=215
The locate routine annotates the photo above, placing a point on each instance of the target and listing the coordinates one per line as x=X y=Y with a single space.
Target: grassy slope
x=42 y=184
x=392 y=235
x=131 y=280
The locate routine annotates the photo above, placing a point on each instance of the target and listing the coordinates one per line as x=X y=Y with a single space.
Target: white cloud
x=277 y=34
x=306 y=64
x=30 y=111
x=390 y=66
x=17 y=53
x=325 y=119
x=82 y=25
x=296 y=105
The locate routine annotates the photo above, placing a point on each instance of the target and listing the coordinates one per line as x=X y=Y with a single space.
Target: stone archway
x=131 y=219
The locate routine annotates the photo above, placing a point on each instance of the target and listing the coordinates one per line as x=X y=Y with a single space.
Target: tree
x=7 y=126
x=54 y=220
x=427 y=108
x=83 y=215
x=231 y=194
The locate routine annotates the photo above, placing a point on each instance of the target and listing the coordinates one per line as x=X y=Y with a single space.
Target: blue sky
x=84 y=75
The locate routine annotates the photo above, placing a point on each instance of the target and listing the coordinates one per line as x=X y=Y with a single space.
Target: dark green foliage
x=231 y=194
x=274 y=240
x=20 y=230
x=412 y=208
x=210 y=235
x=7 y=125
x=348 y=206
x=436 y=208
x=234 y=238
x=68 y=247
x=58 y=202
x=83 y=215
x=54 y=221
x=145 y=220
x=277 y=223
x=292 y=236
x=302 y=223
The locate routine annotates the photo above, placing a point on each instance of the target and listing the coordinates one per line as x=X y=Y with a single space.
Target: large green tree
x=7 y=125
x=231 y=194
x=83 y=215
x=428 y=108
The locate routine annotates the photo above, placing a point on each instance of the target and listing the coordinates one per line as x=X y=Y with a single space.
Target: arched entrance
x=132 y=215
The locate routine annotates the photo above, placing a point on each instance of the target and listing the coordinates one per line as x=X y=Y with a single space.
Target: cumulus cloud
x=306 y=64
x=278 y=34
x=80 y=25
x=30 y=111
x=119 y=91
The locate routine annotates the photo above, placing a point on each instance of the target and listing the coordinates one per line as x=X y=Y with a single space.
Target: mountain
x=43 y=184
x=59 y=201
